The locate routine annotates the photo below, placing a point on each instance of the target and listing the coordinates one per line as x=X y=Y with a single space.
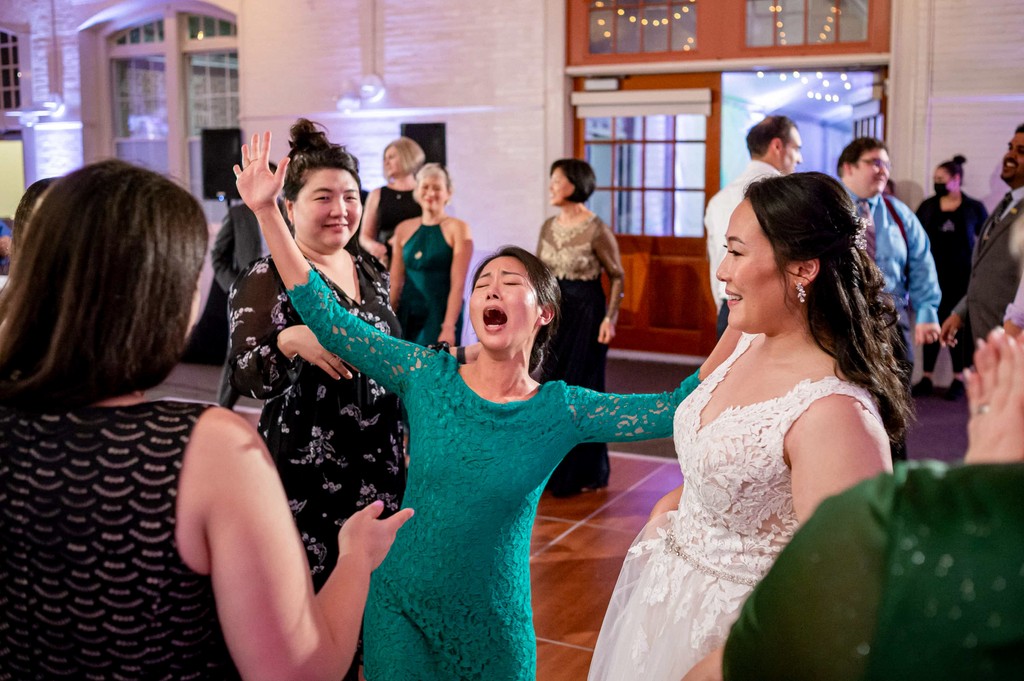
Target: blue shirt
x=4 y=231
x=920 y=281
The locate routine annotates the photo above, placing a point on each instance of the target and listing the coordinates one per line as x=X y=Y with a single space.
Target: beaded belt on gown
x=672 y=545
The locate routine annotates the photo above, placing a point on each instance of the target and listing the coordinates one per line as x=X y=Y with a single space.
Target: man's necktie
x=997 y=213
x=864 y=212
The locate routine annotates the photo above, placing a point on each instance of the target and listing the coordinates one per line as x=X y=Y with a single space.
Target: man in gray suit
x=994 y=271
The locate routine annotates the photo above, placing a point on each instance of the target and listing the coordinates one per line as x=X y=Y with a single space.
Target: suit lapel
x=993 y=233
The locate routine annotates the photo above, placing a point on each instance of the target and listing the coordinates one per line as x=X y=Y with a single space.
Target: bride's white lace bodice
x=736 y=511
x=688 y=573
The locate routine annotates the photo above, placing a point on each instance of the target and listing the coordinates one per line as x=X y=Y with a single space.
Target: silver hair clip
x=860 y=239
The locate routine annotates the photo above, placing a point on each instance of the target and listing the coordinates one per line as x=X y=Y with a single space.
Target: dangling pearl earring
x=801 y=292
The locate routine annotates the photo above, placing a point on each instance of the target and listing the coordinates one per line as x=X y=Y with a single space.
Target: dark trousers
x=903 y=350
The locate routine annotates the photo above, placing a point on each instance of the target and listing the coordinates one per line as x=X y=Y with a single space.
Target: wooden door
x=668 y=305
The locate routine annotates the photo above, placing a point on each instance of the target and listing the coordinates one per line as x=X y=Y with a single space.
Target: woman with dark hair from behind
x=578 y=246
x=804 y=407
x=335 y=436
x=143 y=539
x=453 y=602
x=952 y=220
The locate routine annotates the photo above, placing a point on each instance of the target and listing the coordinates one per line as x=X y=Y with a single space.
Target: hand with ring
x=995 y=391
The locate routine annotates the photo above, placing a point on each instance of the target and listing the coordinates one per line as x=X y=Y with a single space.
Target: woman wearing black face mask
x=952 y=220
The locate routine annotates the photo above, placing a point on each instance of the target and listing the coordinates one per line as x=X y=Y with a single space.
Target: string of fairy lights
x=826 y=34
x=676 y=14
x=820 y=86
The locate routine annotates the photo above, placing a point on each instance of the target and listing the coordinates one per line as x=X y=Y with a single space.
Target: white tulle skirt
x=665 y=614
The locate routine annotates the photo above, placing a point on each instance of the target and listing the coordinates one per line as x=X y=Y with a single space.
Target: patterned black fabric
x=338 y=444
x=91 y=583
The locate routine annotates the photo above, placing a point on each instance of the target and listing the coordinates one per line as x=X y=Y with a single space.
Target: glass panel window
x=148 y=33
x=10 y=72
x=632 y=26
x=140 y=111
x=212 y=91
x=650 y=173
x=684 y=27
x=805 y=22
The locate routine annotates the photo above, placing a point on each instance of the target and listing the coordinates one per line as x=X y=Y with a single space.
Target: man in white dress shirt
x=774 y=146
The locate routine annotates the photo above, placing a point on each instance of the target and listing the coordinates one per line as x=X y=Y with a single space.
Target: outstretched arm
x=604 y=417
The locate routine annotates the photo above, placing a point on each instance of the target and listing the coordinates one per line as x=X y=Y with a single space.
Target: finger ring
x=982 y=409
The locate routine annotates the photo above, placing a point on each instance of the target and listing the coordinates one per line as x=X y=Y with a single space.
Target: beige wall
x=955 y=88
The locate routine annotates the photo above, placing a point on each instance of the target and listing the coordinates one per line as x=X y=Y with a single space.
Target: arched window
x=171 y=77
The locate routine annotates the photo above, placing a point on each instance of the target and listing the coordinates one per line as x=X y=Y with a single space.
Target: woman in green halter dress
x=429 y=264
x=452 y=601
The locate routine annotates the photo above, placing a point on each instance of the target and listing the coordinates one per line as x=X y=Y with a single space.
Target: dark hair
x=311 y=150
x=27 y=205
x=810 y=215
x=580 y=175
x=1020 y=129
x=762 y=134
x=852 y=153
x=544 y=285
x=955 y=166
x=101 y=297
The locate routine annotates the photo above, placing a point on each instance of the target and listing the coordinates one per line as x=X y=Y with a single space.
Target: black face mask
x=941 y=189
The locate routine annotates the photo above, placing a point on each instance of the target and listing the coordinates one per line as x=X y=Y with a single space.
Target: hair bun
x=307 y=136
x=959 y=159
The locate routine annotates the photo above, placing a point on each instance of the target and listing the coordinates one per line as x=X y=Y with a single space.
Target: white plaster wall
x=955 y=87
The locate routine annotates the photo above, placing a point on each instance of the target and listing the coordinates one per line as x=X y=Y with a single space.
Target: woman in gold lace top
x=577 y=245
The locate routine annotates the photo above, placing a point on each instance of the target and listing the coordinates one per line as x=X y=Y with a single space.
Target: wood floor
x=576 y=552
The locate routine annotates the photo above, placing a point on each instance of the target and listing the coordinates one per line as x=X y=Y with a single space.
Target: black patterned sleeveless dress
x=91 y=584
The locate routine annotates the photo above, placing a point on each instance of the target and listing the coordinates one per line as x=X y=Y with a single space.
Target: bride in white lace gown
x=777 y=427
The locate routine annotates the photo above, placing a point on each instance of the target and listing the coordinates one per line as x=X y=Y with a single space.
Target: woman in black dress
x=337 y=440
x=578 y=246
x=952 y=220
x=394 y=202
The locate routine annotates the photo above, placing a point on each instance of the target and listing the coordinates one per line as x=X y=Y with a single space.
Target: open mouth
x=494 y=317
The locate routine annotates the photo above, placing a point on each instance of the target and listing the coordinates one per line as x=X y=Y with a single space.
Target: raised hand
x=257 y=185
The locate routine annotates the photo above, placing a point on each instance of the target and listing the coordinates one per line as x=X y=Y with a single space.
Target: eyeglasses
x=876 y=162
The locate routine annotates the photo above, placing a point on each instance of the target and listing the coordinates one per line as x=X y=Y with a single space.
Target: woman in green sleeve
x=453 y=601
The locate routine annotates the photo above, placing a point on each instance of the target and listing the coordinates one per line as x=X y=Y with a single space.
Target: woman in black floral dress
x=337 y=441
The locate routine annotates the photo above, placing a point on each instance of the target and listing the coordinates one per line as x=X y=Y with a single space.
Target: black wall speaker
x=431 y=137
x=221 y=150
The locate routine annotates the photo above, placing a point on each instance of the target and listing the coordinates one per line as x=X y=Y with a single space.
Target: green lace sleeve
x=604 y=417
x=388 y=360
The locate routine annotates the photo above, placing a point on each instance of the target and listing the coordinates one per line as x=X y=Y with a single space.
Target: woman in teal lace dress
x=453 y=599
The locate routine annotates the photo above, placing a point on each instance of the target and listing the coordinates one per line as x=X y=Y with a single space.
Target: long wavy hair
x=544 y=285
x=101 y=292
x=810 y=216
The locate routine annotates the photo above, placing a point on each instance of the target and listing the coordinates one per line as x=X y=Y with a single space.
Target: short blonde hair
x=410 y=154
x=432 y=170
